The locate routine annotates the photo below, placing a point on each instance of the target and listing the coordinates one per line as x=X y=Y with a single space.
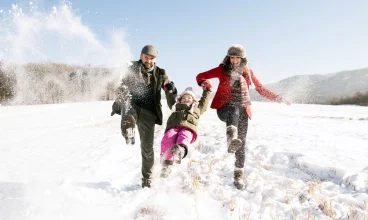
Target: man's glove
x=116 y=108
x=170 y=87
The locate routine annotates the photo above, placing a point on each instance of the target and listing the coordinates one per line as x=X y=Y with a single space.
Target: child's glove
x=206 y=85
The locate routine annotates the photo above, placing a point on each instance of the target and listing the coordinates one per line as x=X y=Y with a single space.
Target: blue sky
x=281 y=38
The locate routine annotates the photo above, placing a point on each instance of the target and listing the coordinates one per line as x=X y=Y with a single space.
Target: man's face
x=148 y=60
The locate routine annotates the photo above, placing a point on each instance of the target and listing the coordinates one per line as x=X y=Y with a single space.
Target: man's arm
x=122 y=102
x=170 y=91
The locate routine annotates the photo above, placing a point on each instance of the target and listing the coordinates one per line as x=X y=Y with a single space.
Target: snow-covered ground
x=69 y=161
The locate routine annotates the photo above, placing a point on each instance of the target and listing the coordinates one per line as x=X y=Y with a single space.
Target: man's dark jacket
x=122 y=104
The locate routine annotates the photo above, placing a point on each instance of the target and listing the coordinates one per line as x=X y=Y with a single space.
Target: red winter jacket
x=223 y=93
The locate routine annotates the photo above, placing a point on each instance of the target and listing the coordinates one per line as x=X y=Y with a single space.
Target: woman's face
x=235 y=61
x=187 y=99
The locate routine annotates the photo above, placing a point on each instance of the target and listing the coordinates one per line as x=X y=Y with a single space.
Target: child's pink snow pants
x=178 y=135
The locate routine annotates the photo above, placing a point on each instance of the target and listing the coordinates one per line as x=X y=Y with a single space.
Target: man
x=139 y=103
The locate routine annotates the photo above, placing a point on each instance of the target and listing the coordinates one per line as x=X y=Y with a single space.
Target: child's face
x=187 y=99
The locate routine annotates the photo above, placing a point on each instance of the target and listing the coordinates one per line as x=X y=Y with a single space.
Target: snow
x=69 y=161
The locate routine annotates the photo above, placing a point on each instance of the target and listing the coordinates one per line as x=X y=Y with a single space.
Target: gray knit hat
x=236 y=50
x=149 y=50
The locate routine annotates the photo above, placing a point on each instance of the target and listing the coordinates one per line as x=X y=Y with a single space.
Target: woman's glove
x=281 y=99
x=206 y=85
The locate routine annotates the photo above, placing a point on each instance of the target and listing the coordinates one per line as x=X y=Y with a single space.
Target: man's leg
x=146 y=129
x=128 y=121
x=128 y=129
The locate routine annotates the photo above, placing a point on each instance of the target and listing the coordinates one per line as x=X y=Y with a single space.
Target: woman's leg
x=243 y=129
x=230 y=114
x=240 y=153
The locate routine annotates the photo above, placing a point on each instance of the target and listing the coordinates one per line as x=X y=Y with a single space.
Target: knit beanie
x=149 y=50
x=189 y=91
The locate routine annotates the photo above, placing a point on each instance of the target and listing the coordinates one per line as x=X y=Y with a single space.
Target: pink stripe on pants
x=178 y=135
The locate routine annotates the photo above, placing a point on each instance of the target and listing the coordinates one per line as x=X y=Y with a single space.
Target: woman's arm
x=213 y=73
x=263 y=91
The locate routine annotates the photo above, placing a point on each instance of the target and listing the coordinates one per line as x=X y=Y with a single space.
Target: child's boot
x=178 y=153
x=166 y=168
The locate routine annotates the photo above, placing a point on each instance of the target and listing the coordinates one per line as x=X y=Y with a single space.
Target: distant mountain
x=320 y=89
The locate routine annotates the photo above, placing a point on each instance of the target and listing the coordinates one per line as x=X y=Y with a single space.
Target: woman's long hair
x=243 y=63
x=228 y=66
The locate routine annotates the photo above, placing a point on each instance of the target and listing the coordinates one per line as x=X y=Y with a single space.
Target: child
x=181 y=128
x=232 y=102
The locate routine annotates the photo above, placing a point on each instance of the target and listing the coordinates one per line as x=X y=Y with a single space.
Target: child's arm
x=205 y=99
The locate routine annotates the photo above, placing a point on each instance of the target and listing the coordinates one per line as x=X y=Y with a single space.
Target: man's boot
x=146 y=183
x=238 y=178
x=178 y=153
x=233 y=143
x=166 y=170
x=128 y=129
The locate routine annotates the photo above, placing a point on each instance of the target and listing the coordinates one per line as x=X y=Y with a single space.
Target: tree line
x=49 y=83
x=359 y=98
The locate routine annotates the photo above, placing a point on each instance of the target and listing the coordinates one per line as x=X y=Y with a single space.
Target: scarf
x=191 y=110
x=239 y=87
x=144 y=76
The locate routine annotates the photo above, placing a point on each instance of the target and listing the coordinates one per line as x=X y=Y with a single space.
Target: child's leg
x=185 y=137
x=167 y=143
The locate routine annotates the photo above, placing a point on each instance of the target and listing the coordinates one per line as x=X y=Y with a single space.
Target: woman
x=232 y=102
